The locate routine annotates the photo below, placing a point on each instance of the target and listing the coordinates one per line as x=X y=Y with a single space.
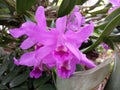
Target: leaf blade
x=66 y=7
x=114 y=80
x=23 y=5
x=106 y=32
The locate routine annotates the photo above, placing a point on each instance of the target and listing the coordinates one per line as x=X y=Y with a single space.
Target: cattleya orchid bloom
x=116 y=4
x=57 y=47
x=67 y=49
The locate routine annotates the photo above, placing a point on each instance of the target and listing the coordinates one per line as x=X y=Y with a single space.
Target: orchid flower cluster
x=115 y=4
x=56 y=47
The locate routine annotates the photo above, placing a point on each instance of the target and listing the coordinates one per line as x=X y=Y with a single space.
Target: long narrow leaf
x=66 y=7
x=114 y=80
x=107 y=30
x=23 y=5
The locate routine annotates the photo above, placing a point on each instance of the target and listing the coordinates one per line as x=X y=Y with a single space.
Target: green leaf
x=85 y=80
x=95 y=5
x=112 y=15
x=106 y=32
x=3 y=68
x=80 y=2
x=21 y=87
x=79 y=67
x=29 y=16
x=10 y=5
x=114 y=80
x=115 y=37
x=66 y=7
x=41 y=81
x=2 y=87
x=10 y=76
x=23 y=5
x=109 y=18
x=109 y=42
x=102 y=11
x=19 y=79
x=47 y=87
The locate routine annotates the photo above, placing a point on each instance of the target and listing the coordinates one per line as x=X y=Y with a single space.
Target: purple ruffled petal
x=85 y=32
x=74 y=50
x=41 y=54
x=40 y=18
x=27 y=43
x=49 y=61
x=86 y=62
x=115 y=2
x=26 y=59
x=61 y=24
x=81 y=57
x=16 y=33
x=35 y=73
x=27 y=28
x=66 y=69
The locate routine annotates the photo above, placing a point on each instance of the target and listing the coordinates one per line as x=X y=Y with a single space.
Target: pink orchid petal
x=27 y=28
x=87 y=62
x=31 y=29
x=65 y=69
x=40 y=17
x=80 y=56
x=42 y=53
x=35 y=73
x=79 y=18
x=85 y=32
x=16 y=62
x=73 y=37
x=46 y=37
x=49 y=60
x=16 y=33
x=26 y=59
x=76 y=9
x=115 y=2
x=28 y=43
x=61 y=24
x=75 y=20
x=114 y=8
x=80 y=36
x=74 y=50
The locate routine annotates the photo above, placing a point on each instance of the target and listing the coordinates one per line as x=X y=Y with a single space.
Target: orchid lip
x=61 y=51
x=66 y=65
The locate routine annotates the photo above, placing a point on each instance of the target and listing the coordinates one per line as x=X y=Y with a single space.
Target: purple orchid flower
x=116 y=4
x=66 y=52
x=57 y=47
x=35 y=33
